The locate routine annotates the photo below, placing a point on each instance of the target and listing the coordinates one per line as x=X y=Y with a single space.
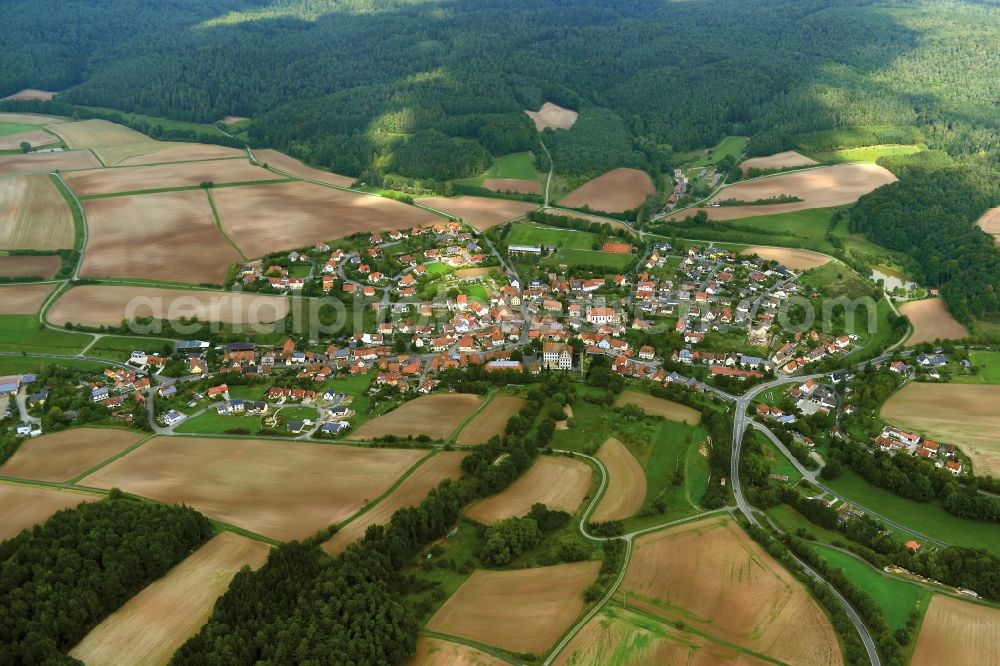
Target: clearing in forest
x=111 y=142
x=34 y=215
x=958 y=632
x=64 y=455
x=24 y=506
x=23 y=299
x=785 y=160
x=480 y=212
x=436 y=416
x=668 y=409
x=560 y=483
x=44 y=163
x=931 y=320
x=163 y=176
x=490 y=421
x=616 y=191
x=554 y=116
x=281 y=489
x=519 y=611
x=43 y=266
x=990 y=223
x=292 y=166
x=626 y=483
x=32 y=94
x=797 y=260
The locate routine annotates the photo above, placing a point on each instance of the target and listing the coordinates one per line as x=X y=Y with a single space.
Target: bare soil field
x=519 y=611
x=990 y=223
x=411 y=492
x=23 y=299
x=480 y=212
x=31 y=118
x=797 y=260
x=112 y=143
x=557 y=482
x=824 y=187
x=232 y=120
x=711 y=575
x=513 y=185
x=490 y=420
x=185 y=152
x=102 y=305
x=931 y=320
x=32 y=94
x=24 y=506
x=668 y=409
x=308 y=214
x=29 y=266
x=281 y=489
x=618 y=636
x=554 y=116
x=34 y=215
x=436 y=416
x=43 y=163
x=958 y=632
x=164 y=236
x=437 y=652
x=36 y=138
x=153 y=624
x=463 y=273
x=161 y=176
x=966 y=415
x=614 y=192
x=785 y=160
x=626 y=483
x=290 y=165
x=65 y=455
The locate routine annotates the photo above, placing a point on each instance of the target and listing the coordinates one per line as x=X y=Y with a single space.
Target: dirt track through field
x=626 y=483
x=490 y=421
x=931 y=320
x=184 y=174
x=480 y=212
x=33 y=215
x=436 y=416
x=281 y=489
x=668 y=409
x=797 y=260
x=958 y=632
x=64 y=455
x=784 y=160
x=29 y=266
x=152 y=625
x=293 y=166
x=554 y=116
x=23 y=299
x=616 y=191
x=557 y=482
x=24 y=506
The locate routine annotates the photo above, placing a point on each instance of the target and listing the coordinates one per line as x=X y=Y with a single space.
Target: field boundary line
x=468 y=642
x=104 y=463
x=183 y=188
x=52 y=485
x=218 y=225
x=147 y=164
x=465 y=422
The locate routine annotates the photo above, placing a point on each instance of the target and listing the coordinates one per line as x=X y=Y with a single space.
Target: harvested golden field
x=712 y=576
x=411 y=492
x=24 y=506
x=797 y=260
x=308 y=214
x=30 y=118
x=966 y=415
x=167 y=236
x=438 y=652
x=785 y=160
x=294 y=167
x=29 y=266
x=490 y=421
x=479 y=212
x=518 y=611
x=65 y=455
x=153 y=624
x=23 y=299
x=557 y=482
x=621 y=637
x=34 y=215
x=36 y=138
x=281 y=489
x=43 y=163
x=626 y=483
x=614 y=192
x=513 y=185
x=105 y=305
x=931 y=320
x=554 y=116
x=185 y=152
x=436 y=416
x=668 y=409
x=990 y=223
x=162 y=176
x=32 y=94
x=823 y=187
x=958 y=632
x=112 y=143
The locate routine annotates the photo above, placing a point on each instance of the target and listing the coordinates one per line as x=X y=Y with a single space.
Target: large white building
x=557 y=356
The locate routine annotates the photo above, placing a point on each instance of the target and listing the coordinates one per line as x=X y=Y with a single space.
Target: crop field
x=712 y=576
x=660 y=407
x=167 y=236
x=65 y=455
x=185 y=152
x=614 y=192
x=9 y=129
x=107 y=305
x=785 y=160
x=163 y=176
x=43 y=163
x=797 y=260
x=555 y=481
x=30 y=118
x=29 y=266
x=308 y=214
x=931 y=320
x=292 y=166
x=411 y=492
x=554 y=116
x=153 y=624
x=869 y=153
x=990 y=223
x=958 y=632
x=437 y=652
x=436 y=416
x=24 y=333
x=519 y=611
x=23 y=299
x=24 y=506
x=626 y=483
x=32 y=93
x=34 y=136
x=534 y=234
x=34 y=215
x=967 y=415
x=110 y=142
x=490 y=420
x=281 y=489
x=479 y=212
x=731 y=146
x=513 y=185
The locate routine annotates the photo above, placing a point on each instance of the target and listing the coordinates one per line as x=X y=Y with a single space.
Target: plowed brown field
x=797 y=260
x=784 y=160
x=513 y=185
x=990 y=223
x=29 y=266
x=292 y=166
x=23 y=299
x=490 y=421
x=436 y=416
x=36 y=138
x=931 y=320
x=64 y=455
x=958 y=632
x=480 y=212
x=557 y=482
x=614 y=192
x=437 y=652
x=668 y=409
x=24 y=506
x=33 y=215
x=626 y=483
x=184 y=174
x=42 y=163
x=185 y=152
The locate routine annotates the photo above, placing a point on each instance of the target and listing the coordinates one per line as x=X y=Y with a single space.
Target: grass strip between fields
x=465 y=422
x=105 y=463
x=184 y=188
x=388 y=491
x=218 y=225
